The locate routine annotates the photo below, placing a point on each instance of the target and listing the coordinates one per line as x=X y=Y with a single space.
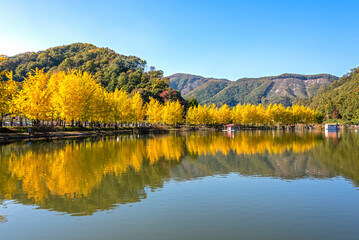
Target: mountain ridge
x=286 y=88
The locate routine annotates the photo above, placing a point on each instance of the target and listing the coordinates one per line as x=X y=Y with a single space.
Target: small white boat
x=229 y=128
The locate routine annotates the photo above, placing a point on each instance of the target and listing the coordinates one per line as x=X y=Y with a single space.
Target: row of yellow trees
x=75 y=96
x=250 y=114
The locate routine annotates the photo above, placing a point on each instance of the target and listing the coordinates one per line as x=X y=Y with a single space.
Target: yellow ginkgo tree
x=154 y=111
x=34 y=99
x=76 y=97
x=8 y=92
x=138 y=110
x=172 y=113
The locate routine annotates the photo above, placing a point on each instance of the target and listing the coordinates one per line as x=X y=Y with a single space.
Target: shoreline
x=15 y=135
x=19 y=136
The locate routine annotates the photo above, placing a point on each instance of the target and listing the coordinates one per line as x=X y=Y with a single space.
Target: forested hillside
x=111 y=69
x=286 y=89
x=340 y=100
x=188 y=82
x=207 y=90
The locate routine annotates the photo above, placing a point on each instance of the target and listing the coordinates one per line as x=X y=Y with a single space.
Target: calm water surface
x=248 y=185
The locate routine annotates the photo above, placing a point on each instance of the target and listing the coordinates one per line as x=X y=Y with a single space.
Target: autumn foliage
x=75 y=97
x=248 y=114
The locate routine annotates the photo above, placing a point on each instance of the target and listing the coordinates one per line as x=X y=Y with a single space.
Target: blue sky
x=223 y=39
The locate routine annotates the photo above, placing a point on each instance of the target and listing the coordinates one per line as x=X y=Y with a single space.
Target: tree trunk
x=20 y=120
x=1 y=122
x=72 y=123
x=11 y=120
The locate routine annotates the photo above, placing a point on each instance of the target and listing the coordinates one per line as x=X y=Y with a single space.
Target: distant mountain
x=188 y=82
x=286 y=88
x=208 y=89
x=341 y=98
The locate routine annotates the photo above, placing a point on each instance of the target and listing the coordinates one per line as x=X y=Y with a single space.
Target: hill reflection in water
x=82 y=176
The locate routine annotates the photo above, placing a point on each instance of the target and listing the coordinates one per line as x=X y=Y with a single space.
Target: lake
x=201 y=185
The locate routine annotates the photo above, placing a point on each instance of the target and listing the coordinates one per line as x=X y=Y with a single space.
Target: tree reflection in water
x=83 y=176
